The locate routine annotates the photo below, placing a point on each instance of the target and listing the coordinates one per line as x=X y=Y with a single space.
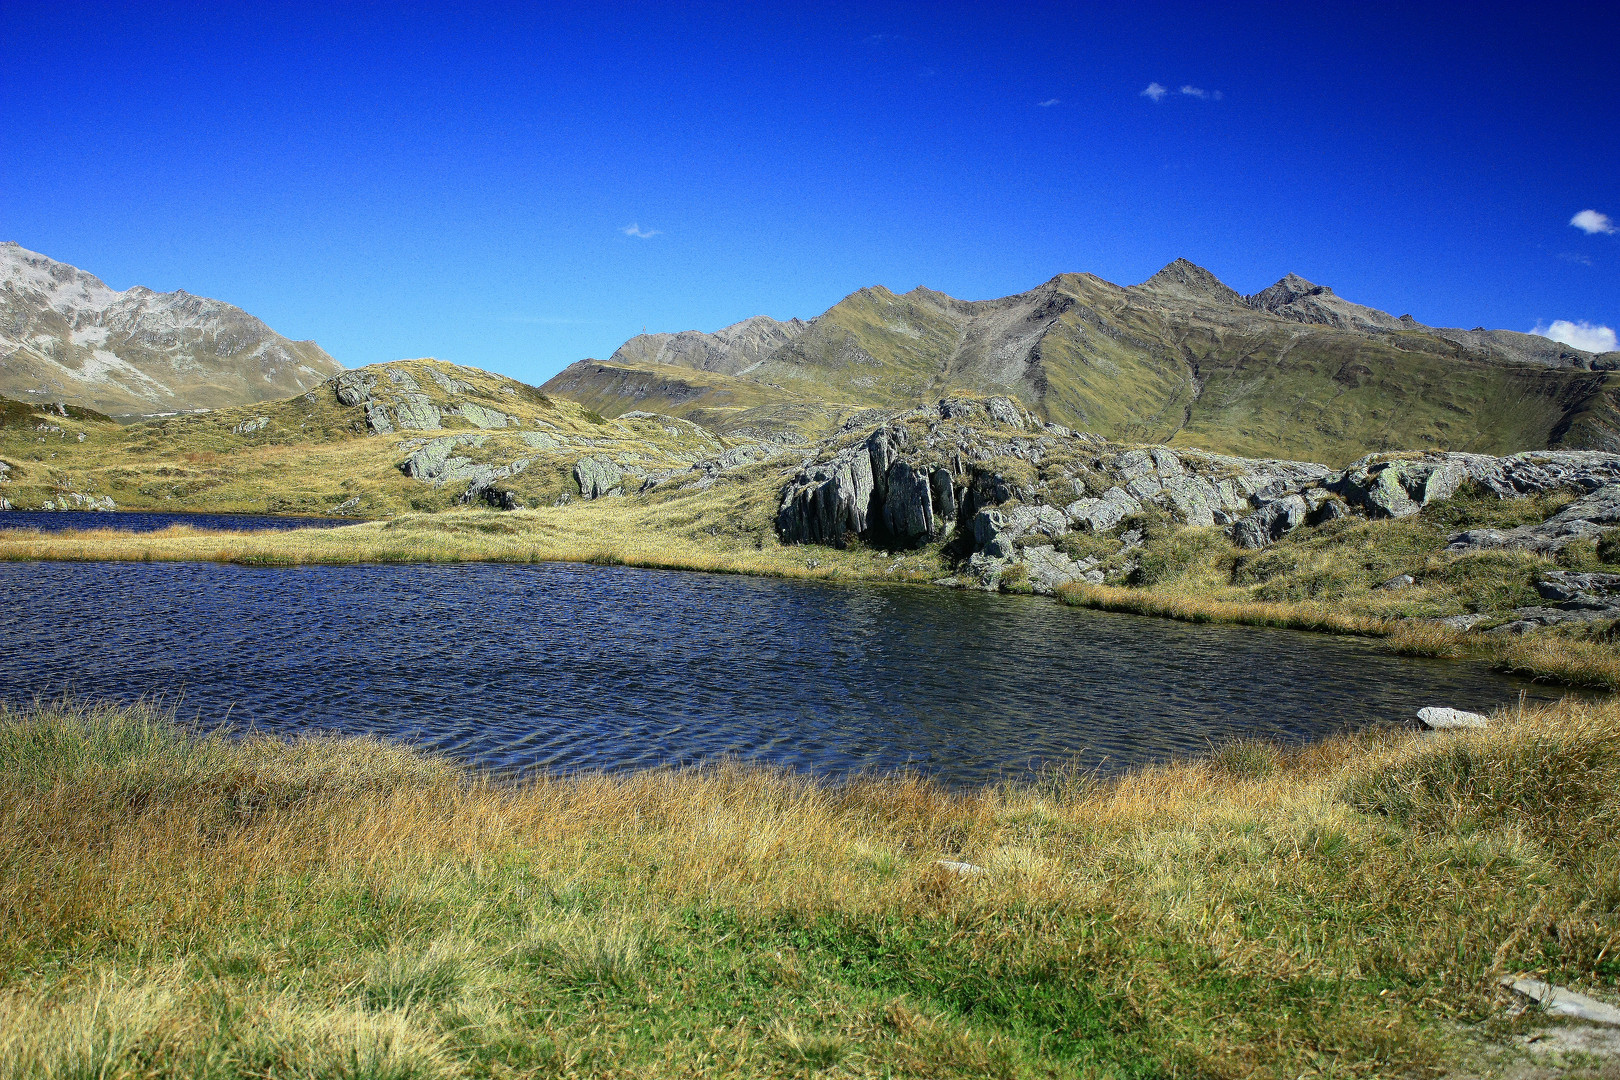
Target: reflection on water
x=561 y=666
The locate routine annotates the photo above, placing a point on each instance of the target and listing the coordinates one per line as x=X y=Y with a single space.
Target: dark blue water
x=561 y=667
x=141 y=521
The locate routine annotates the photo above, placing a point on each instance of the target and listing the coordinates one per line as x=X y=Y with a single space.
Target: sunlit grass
x=175 y=902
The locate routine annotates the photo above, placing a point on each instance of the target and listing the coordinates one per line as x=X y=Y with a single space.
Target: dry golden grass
x=1190 y=604
x=613 y=532
x=173 y=903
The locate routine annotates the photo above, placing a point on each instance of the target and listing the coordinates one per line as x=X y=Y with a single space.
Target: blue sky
x=463 y=181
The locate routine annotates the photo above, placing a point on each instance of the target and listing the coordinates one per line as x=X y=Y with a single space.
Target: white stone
x=1559 y=1001
x=1440 y=719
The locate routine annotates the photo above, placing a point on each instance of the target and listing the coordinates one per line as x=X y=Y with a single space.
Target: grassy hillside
x=174 y=903
x=311 y=454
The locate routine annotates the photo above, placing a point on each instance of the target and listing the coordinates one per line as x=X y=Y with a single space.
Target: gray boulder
x=826 y=501
x=1567 y=588
x=414 y=412
x=481 y=417
x=996 y=532
x=908 y=502
x=353 y=387
x=597 y=476
x=1048 y=568
x=377 y=417
x=1103 y=514
x=1271 y=522
x=1436 y=718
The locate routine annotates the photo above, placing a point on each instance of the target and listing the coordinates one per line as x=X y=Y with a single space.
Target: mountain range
x=66 y=337
x=1293 y=370
x=1181 y=358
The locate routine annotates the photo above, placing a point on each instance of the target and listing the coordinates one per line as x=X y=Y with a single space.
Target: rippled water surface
x=140 y=521
x=561 y=666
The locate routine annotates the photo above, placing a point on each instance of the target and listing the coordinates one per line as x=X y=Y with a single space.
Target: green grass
x=178 y=903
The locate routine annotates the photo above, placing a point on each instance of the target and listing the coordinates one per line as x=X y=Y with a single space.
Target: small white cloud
x=1048 y=103
x=1193 y=91
x=1575 y=257
x=1591 y=223
x=1582 y=335
x=636 y=230
x=1155 y=92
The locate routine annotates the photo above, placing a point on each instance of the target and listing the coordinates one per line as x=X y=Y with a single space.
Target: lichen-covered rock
x=377 y=417
x=827 y=501
x=996 y=532
x=1276 y=519
x=597 y=476
x=414 y=412
x=353 y=387
x=1589 y=516
x=1048 y=568
x=1104 y=513
x=481 y=417
x=908 y=502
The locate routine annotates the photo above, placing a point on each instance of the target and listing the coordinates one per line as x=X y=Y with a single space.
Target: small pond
x=565 y=667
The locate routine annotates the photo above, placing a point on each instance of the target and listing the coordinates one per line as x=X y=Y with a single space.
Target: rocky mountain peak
x=66 y=336
x=1298 y=300
x=1184 y=280
x=1289 y=289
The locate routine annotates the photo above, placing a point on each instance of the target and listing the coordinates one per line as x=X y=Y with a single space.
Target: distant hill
x=65 y=336
x=1293 y=370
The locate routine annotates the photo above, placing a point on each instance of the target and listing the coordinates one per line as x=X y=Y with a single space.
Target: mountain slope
x=66 y=336
x=1293 y=370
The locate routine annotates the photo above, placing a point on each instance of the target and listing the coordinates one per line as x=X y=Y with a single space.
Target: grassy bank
x=610 y=531
x=1582 y=657
x=182 y=904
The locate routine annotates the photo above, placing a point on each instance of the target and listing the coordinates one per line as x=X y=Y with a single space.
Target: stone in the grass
x=963 y=868
x=1560 y=1001
x=1439 y=719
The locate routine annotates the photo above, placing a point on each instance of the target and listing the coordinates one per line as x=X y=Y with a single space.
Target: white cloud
x=1193 y=91
x=636 y=230
x=1581 y=335
x=1575 y=257
x=1591 y=222
x=1155 y=91
x=1048 y=103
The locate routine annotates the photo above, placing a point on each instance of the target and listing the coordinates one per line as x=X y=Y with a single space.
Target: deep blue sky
x=454 y=182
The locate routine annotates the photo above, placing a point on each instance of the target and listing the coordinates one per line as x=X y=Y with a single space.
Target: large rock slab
x=597 y=476
x=1589 y=516
x=1271 y=522
x=827 y=501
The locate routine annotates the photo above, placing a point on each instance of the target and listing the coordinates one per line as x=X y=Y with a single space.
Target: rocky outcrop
x=598 y=477
x=1587 y=517
x=1568 y=597
x=78 y=500
x=829 y=500
x=1275 y=519
x=399 y=403
x=1005 y=490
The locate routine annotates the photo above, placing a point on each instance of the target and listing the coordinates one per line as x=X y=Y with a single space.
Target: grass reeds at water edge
x=1562 y=658
x=178 y=903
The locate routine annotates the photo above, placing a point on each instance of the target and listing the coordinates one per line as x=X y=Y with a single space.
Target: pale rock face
x=66 y=336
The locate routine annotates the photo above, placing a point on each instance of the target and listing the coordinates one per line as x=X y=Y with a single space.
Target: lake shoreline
x=185 y=898
x=534 y=537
